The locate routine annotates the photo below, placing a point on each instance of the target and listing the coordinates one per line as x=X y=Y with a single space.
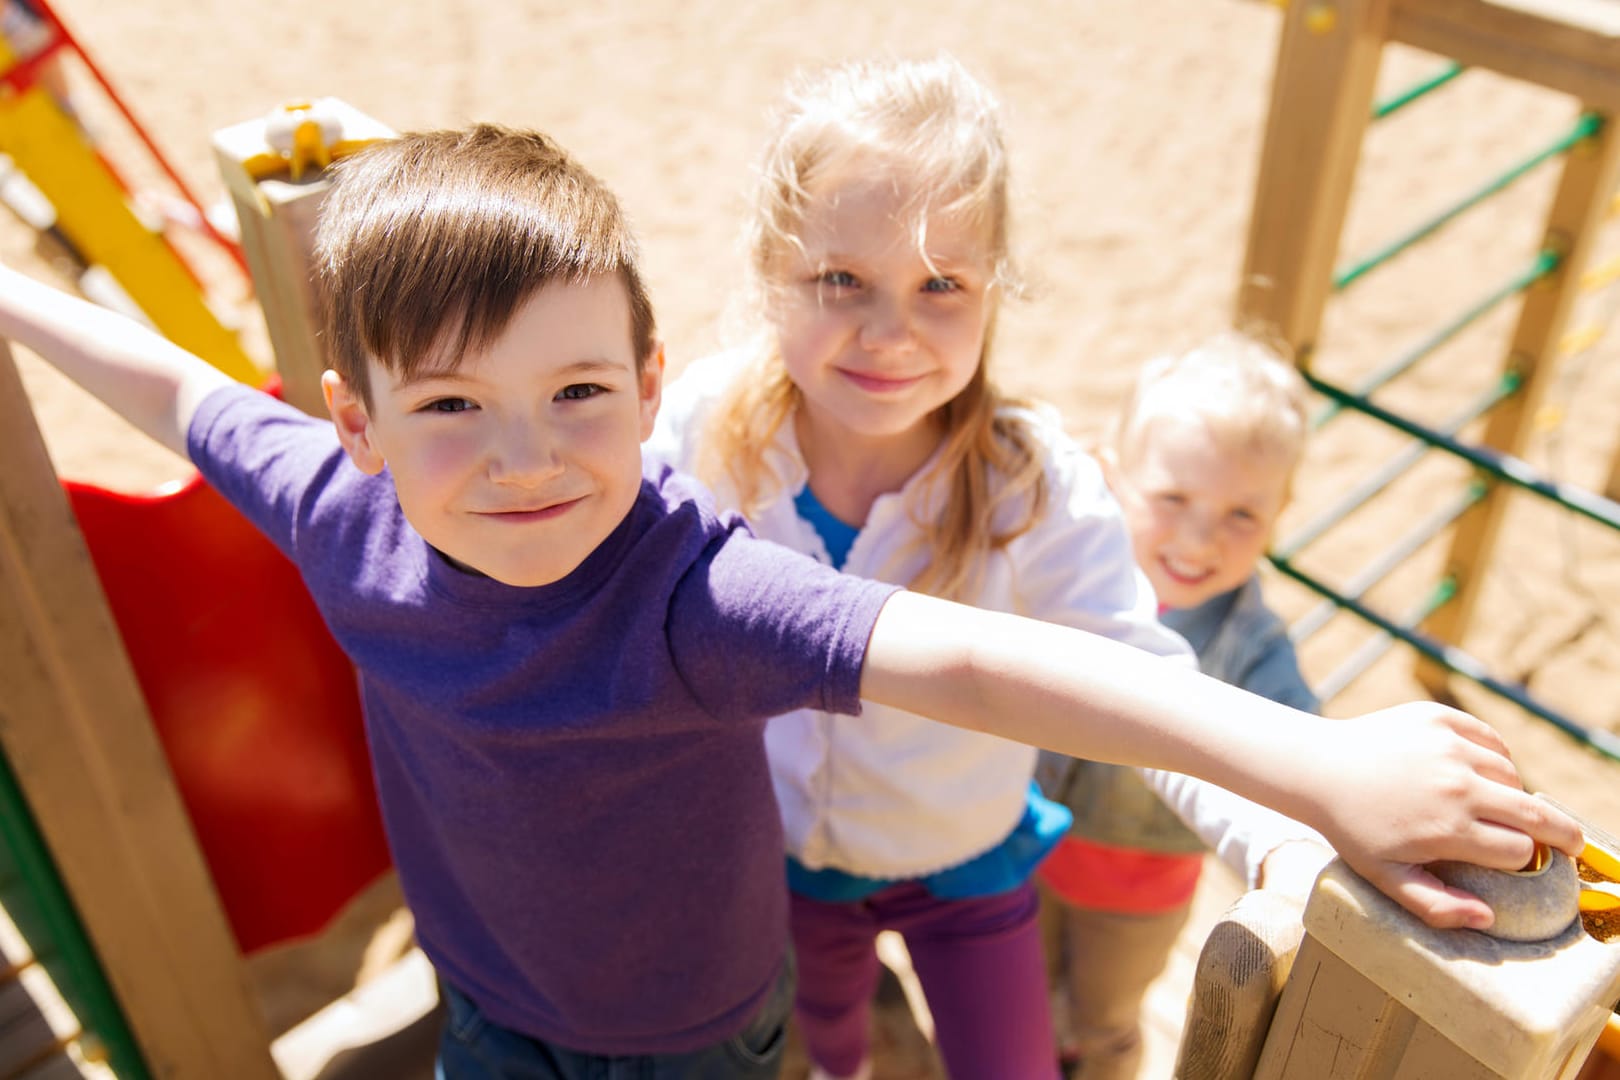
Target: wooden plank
x=1321 y=99
x=77 y=733
x=278 y=215
x=1429 y=1054
x=1579 y=208
x=1327 y=1015
x=1241 y=972
x=1598 y=16
x=1376 y=995
x=1553 y=52
x=277 y=230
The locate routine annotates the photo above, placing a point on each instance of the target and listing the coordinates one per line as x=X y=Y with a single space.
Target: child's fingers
x=1498 y=847
x=1542 y=820
x=1556 y=827
x=1474 y=730
x=1507 y=804
x=1436 y=903
x=1506 y=822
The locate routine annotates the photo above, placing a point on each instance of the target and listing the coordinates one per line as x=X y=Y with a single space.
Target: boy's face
x=522 y=460
x=1199 y=508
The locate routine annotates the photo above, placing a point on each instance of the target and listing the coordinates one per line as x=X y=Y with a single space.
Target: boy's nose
x=524 y=456
x=1196 y=533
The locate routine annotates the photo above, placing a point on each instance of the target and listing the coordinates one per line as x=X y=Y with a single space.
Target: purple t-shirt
x=572 y=777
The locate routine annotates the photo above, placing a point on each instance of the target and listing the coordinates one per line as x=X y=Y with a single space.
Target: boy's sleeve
x=264 y=456
x=1241 y=833
x=758 y=630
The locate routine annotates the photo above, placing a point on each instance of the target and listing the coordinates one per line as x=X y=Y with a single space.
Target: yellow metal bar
x=1599 y=276
x=92 y=211
x=1578 y=341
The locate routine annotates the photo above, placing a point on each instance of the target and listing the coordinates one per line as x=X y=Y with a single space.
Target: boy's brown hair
x=428 y=245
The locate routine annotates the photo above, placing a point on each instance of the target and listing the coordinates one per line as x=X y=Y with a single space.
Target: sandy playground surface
x=1134 y=128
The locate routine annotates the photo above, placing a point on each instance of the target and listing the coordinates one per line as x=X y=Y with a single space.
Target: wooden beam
x=1562 y=54
x=77 y=733
x=277 y=215
x=1375 y=993
x=1579 y=208
x=1321 y=99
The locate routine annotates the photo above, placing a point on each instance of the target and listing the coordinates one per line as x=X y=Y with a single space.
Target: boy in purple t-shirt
x=567 y=661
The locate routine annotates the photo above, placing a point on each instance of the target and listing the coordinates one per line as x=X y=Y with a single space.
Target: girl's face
x=876 y=331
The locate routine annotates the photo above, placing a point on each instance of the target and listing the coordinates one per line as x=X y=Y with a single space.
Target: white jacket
x=890 y=794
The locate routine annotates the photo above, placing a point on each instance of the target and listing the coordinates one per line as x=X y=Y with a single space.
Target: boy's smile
x=1199 y=509
x=522 y=459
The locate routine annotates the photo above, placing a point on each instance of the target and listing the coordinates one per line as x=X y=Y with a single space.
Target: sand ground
x=1134 y=129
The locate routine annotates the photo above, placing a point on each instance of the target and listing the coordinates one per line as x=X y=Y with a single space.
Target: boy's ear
x=353 y=423
x=652 y=389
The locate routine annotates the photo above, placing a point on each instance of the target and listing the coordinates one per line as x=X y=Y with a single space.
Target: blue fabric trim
x=1004 y=867
x=838 y=536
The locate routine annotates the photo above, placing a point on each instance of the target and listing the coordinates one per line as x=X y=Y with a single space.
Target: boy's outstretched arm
x=138 y=373
x=1391 y=791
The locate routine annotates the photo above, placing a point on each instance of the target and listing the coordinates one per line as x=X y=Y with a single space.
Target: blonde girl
x=862 y=427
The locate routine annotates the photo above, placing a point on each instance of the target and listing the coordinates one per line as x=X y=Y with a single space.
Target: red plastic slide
x=256 y=706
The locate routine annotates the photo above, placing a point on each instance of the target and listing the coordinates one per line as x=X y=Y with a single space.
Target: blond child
x=1200 y=459
x=567 y=659
x=862 y=427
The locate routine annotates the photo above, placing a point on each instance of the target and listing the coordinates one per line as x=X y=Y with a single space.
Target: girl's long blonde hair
x=939 y=131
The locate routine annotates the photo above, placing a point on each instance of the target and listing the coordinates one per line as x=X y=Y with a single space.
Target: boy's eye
x=1244 y=517
x=942 y=285
x=837 y=279
x=1170 y=499
x=580 y=391
x=447 y=405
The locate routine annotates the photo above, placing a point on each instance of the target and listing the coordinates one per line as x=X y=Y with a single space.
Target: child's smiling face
x=518 y=462
x=880 y=323
x=1199 y=505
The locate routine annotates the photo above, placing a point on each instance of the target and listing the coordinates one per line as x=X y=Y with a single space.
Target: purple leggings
x=979 y=962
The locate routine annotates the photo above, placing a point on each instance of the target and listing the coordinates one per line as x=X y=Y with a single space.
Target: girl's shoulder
x=1068 y=467
x=688 y=400
x=702 y=382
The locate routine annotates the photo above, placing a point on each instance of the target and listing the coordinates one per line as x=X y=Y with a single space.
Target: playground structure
x=1321 y=107
x=90 y=211
x=1369 y=991
x=194 y=759
x=144 y=888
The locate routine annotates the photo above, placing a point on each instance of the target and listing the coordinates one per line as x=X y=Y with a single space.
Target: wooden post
x=1240 y=977
x=77 y=732
x=1321 y=99
x=1578 y=210
x=1375 y=993
x=277 y=215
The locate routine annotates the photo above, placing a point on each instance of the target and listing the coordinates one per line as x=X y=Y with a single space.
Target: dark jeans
x=473 y=1048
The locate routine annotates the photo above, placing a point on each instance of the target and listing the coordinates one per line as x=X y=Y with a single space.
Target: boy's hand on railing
x=1406 y=786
